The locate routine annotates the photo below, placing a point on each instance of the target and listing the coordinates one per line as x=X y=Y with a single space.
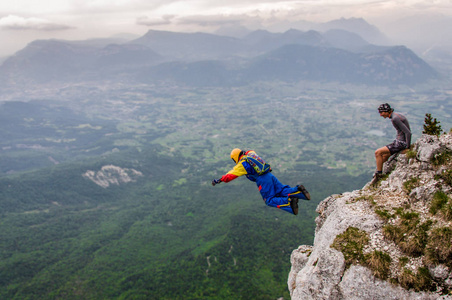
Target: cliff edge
x=390 y=240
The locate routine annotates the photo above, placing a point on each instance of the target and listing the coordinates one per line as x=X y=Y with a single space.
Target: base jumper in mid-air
x=273 y=192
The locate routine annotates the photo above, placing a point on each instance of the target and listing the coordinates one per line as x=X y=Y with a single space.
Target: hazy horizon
x=24 y=21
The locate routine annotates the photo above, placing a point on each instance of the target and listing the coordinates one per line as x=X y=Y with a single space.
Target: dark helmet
x=385 y=107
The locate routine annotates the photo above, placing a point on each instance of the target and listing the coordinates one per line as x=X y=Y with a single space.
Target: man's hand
x=216 y=181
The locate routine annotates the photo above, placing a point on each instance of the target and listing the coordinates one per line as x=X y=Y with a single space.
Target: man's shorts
x=396 y=146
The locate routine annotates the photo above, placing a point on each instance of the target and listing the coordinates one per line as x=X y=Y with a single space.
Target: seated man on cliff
x=402 y=141
x=273 y=192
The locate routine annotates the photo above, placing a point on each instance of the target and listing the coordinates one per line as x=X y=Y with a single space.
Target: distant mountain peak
x=358 y=26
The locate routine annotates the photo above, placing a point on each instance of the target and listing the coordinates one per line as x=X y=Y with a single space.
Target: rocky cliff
x=389 y=240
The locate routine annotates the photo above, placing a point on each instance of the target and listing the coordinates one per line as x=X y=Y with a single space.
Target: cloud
x=13 y=22
x=213 y=20
x=146 y=21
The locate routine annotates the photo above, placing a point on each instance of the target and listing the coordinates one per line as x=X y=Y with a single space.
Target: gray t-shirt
x=402 y=126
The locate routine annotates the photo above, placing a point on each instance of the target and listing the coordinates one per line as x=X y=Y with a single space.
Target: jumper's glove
x=216 y=181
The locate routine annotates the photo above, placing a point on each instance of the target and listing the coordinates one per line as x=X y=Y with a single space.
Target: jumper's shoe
x=294 y=205
x=305 y=192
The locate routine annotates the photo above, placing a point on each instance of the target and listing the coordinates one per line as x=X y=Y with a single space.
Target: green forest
x=167 y=233
x=165 y=236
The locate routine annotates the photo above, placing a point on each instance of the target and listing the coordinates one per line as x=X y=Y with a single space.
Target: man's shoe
x=305 y=192
x=376 y=178
x=294 y=205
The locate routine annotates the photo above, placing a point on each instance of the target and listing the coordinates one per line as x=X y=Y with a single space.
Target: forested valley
x=105 y=190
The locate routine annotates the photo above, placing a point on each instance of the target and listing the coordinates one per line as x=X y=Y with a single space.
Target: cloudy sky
x=22 y=21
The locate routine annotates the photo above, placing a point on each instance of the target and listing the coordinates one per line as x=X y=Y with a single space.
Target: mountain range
x=204 y=59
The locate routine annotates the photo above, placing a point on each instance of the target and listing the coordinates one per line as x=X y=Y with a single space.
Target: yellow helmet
x=235 y=154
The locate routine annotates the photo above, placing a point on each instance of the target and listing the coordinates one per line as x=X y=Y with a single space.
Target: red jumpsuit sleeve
x=237 y=171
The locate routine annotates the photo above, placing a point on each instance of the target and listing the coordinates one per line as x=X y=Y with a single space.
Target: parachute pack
x=258 y=164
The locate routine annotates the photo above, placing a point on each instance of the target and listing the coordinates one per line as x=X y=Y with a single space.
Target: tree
x=431 y=126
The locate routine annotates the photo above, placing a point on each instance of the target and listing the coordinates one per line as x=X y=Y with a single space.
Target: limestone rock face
x=321 y=272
